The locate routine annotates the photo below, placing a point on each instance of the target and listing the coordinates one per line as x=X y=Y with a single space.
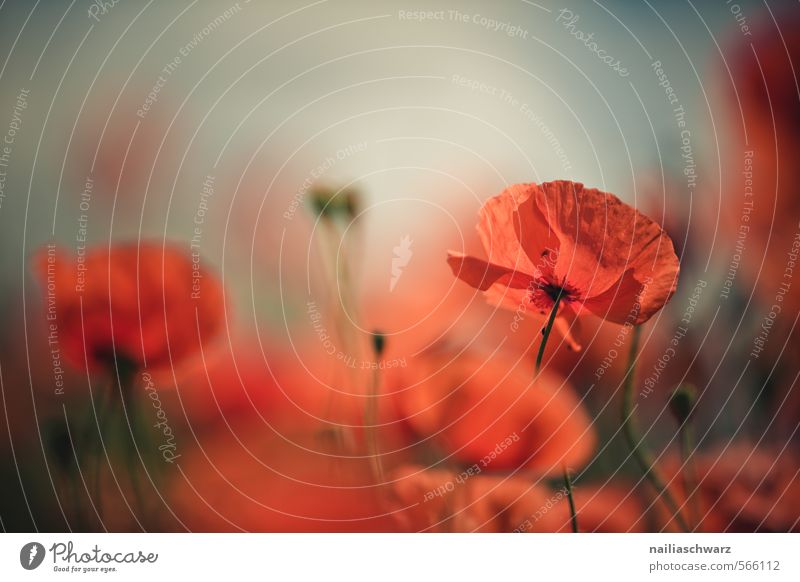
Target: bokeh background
x=145 y=121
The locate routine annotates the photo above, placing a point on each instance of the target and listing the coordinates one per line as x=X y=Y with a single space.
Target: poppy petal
x=643 y=289
x=513 y=230
x=475 y=405
x=602 y=238
x=482 y=274
x=619 y=303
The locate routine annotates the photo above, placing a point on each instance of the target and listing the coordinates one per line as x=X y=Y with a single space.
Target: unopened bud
x=682 y=402
x=352 y=203
x=378 y=342
x=330 y=203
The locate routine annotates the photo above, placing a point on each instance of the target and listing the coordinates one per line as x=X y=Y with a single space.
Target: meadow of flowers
x=287 y=341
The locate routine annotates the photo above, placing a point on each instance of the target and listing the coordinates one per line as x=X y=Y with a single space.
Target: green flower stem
x=642 y=456
x=337 y=269
x=689 y=475
x=572 y=514
x=125 y=375
x=371 y=421
x=546 y=332
x=103 y=409
x=545 y=336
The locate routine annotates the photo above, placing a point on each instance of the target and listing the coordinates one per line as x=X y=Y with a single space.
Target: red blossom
x=559 y=239
x=487 y=410
x=147 y=304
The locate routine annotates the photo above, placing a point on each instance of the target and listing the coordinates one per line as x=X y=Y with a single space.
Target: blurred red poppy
x=257 y=481
x=488 y=410
x=608 y=508
x=742 y=488
x=258 y=380
x=561 y=240
x=228 y=386
x=762 y=205
x=442 y=500
x=761 y=202
x=146 y=304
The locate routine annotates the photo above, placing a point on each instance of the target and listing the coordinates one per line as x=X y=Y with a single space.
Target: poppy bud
x=319 y=200
x=352 y=203
x=682 y=401
x=59 y=442
x=330 y=203
x=378 y=342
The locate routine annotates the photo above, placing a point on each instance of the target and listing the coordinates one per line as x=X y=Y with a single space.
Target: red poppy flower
x=145 y=304
x=441 y=500
x=245 y=383
x=260 y=379
x=741 y=488
x=514 y=504
x=608 y=508
x=559 y=239
x=761 y=178
x=488 y=410
x=258 y=481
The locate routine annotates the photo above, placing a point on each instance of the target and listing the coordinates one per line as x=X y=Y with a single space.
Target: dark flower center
x=545 y=294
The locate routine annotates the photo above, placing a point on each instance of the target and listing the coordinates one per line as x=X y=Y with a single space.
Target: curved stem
x=572 y=513
x=546 y=331
x=371 y=422
x=125 y=375
x=103 y=410
x=636 y=443
x=342 y=310
x=539 y=356
x=689 y=474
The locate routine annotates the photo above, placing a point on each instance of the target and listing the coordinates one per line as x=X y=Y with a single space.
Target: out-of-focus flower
x=761 y=202
x=608 y=508
x=488 y=410
x=257 y=481
x=743 y=488
x=245 y=383
x=559 y=240
x=765 y=112
x=146 y=304
x=443 y=500
x=764 y=77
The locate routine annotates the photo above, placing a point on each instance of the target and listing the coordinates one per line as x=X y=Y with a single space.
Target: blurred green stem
x=125 y=373
x=572 y=513
x=371 y=422
x=539 y=356
x=546 y=331
x=102 y=410
x=642 y=456
x=689 y=475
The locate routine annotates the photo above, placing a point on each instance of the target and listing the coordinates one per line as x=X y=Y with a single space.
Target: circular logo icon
x=31 y=555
